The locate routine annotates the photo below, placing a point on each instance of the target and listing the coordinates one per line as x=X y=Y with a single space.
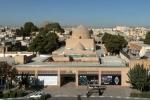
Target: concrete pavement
x=95 y=98
x=74 y=91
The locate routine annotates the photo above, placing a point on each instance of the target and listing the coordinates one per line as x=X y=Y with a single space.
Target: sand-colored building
x=80 y=63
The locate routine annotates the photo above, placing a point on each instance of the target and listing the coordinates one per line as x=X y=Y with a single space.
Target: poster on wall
x=111 y=79
x=88 y=79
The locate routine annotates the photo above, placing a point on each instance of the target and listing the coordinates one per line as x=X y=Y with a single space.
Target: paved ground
x=94 y=98
x=68 y=91
x=74 y=91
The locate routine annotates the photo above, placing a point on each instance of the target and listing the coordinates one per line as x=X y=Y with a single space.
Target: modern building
x=79 y=62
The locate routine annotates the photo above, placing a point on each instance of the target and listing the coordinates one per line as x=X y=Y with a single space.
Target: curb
x=117 y=97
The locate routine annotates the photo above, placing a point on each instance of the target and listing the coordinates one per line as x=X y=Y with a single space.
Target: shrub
x=13 y=94
x=6 y=95
x=138 y=78
x=142 y=94
x=21 y=93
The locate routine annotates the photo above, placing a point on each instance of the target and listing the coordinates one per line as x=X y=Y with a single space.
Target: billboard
x=111 y=79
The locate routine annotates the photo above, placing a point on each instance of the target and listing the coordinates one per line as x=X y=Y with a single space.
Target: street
x=95 y=98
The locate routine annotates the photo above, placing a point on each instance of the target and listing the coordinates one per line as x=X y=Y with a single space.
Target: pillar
x=77 y=80
x=36 y=74
x=58 y=78
x=99 y=77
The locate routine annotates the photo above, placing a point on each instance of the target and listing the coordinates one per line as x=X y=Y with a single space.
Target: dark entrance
x=68 y=79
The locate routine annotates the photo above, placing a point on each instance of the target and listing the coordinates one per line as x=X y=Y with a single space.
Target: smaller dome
x=80 y=32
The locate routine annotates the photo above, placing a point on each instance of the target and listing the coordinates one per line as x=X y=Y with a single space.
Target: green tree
x=138 y=77
x=7 y=73
x=25 y=80
x=114 y=43
x=45 y=42
x=106 y=37
x=53 y=27
x=28 y=28
x=147 y=38
x=19 y=32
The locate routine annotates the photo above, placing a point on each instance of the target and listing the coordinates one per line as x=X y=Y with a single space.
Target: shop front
x=88 y=77
x=47 y=78
x=111 y=78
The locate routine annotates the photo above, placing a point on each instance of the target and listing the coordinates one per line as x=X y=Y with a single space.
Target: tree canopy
x=45 y=42
x=147 y=38
x=114 y=43
x=138 y=77
x=26 y=29
x=53 y=27
x=29 y=27
x=7 y=73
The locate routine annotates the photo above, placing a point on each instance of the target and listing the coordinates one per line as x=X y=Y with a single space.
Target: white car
x=37 y=95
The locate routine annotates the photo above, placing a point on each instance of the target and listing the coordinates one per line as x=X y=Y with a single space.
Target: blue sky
x=74 y=12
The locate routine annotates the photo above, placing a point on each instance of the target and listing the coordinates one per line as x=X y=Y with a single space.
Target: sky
x=76 y=12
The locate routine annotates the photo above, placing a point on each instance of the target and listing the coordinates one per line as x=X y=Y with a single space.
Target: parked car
x=37 y=95
x=41 y=95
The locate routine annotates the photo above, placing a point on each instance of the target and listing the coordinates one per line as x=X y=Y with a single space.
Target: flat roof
x=112 y=61
x=59 y=50
x=108 y=61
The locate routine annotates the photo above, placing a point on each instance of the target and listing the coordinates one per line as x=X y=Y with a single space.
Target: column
x=36 y=74
x=58 y=78
x=76 y=76
x=99 y=77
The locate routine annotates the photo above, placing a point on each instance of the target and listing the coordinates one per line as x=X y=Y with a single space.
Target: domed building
x=80 y=44
x=77 y=64
x=80 y=32
x=79 y=47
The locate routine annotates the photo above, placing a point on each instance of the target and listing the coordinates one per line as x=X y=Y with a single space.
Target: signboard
x=110 y=79
x=88 y=79
x=48 y=80
x=88 y=72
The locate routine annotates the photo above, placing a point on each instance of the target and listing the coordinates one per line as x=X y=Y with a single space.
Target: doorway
x=68 y=80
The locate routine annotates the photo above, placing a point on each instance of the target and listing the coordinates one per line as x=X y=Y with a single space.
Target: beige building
x=79 y=63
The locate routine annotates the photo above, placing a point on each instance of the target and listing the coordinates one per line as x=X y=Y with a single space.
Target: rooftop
x=108 y=61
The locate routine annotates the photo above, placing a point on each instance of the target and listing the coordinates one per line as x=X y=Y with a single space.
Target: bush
x=142 y=94
x=21 y=93
x=138 y=78
x=6 y=95
x=13 y=94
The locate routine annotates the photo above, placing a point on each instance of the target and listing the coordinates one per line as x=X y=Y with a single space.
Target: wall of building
x=13 y=54
x=74 y=70
x=23 y=59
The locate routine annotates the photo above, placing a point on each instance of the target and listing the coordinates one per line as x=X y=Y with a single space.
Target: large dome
x=80 y=32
